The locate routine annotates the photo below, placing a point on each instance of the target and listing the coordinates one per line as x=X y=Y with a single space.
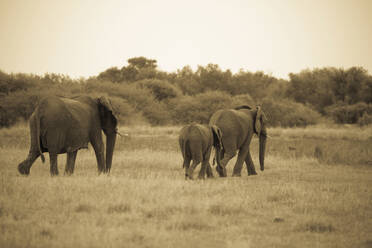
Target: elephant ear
x=259 y=120
x=105 y=108
x=105 y=102
x=217 y=136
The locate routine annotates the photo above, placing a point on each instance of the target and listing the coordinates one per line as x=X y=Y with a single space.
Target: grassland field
x=316 y=191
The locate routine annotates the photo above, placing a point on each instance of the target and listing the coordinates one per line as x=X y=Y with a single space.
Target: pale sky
x=84 y=38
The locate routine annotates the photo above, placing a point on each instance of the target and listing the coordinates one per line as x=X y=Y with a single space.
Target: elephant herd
x=229 y=130
x=65 y=125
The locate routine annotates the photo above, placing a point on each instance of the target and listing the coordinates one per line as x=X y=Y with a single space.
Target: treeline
x=141 y=93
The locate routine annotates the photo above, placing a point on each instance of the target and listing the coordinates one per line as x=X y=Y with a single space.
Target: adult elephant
x=238 y=126
x=65 y=125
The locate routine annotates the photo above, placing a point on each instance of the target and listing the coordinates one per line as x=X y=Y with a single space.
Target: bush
x=140 y=99
x=161 y=89
x=287 y=113
x=349 y=114
x=365 y=120
x=244 y=99
x=199 y=108
x=17 y=106
x=124 y=112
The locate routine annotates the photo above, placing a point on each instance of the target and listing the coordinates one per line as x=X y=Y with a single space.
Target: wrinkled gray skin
x=238 y=126
x=196 y=143
x=63 y=125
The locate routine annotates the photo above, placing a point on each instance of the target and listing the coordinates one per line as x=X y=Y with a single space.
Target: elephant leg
x=53 y=164
x=192 y=168
x=98 y=147
x=206 y=167
x=243 y=151
x=70 y=162
x=209 y=171
x=228 y=152
x=186 y=164
x=25 y=166
x=202 y=170
x=221 y=169
x=250 y=165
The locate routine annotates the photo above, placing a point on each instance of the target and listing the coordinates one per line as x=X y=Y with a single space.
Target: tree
x=187 y=81
x=112 y=74
x=142 y=62
x=313 y=87
x=139 y=68
x=161 y=89
x=255 y=84
x=211 y=77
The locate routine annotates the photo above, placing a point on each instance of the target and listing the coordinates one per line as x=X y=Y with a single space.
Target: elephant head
x=109 y=127
x=260 y=129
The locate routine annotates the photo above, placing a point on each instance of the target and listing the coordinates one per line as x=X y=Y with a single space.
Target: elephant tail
x=37 y=119
x=218 y=152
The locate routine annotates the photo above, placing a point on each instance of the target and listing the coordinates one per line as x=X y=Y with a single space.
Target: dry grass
x=298 y=201
x=346 y=132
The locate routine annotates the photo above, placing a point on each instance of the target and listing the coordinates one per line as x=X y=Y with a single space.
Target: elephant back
x=236 y=125
x=64 y=124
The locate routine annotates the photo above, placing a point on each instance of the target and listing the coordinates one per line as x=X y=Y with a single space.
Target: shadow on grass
x=120 y=208
x=188 y=225
x=219 y=210
x=46 y=233
x=316 y=227
x=84 y=208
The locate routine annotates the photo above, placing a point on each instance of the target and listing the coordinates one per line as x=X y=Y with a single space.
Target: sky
x=82 y=38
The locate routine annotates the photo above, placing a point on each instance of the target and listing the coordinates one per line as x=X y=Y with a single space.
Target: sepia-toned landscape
x=115 y=114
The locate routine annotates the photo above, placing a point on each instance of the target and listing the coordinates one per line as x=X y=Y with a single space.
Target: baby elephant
x=196 y=143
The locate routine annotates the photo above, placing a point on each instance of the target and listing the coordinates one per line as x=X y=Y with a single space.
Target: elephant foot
x=54 y=172
x=23 y=169
x=236 y=175
x=221 y=171
x=188 y=177
x=210 y=176
x=252 y=173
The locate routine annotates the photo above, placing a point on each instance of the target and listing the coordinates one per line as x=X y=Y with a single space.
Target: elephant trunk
x=110 y=145
x=262 y=141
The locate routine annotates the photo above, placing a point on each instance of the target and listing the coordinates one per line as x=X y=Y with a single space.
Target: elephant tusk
x=121 y=135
